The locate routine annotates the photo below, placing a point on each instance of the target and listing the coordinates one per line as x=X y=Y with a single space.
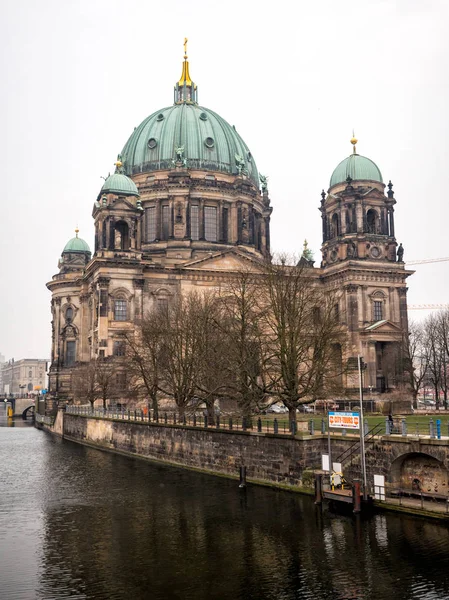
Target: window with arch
x=120 y=309
x=69 y=313
x=335 y=228
x=70 y=353
x=378 y=306
x=378 y=310
x=121 y=236
x=372 y=221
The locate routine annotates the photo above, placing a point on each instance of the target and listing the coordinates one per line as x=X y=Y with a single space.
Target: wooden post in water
x=318 y=488
x=356 y=489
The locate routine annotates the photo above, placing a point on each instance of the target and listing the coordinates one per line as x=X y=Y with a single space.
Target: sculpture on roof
x=240 y=162
x=264 y=183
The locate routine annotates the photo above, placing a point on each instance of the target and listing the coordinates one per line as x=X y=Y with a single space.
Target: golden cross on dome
x=185 y=48
x=77 y=231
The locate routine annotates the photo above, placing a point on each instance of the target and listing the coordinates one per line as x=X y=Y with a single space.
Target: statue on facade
x=179 y=153
x=240 y=162
x=352 y=250
x=400 y=253
x=264 y=183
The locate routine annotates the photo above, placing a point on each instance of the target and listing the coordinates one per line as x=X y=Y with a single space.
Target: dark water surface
x=80 y=523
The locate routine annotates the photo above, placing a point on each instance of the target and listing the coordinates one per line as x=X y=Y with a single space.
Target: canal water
x=80 y=523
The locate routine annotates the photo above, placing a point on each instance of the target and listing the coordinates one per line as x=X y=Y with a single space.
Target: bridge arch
x=29 y=410
x=421 y=472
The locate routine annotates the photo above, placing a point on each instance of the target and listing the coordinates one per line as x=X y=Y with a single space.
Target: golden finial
x=354 y=141
x=77 y=231
x=118 y=163
x=185 y=76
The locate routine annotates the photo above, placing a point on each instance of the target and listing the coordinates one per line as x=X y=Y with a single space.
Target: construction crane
x=427 y=260
x=427 y=306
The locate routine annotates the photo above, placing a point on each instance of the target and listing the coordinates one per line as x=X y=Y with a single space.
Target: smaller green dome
x=357 y=168
x=120 y=184
x=77 y=245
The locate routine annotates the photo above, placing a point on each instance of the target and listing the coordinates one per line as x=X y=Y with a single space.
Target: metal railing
x=230 y=423
x=355 y=447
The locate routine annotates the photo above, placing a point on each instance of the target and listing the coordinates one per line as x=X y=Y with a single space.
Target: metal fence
x=402 y=427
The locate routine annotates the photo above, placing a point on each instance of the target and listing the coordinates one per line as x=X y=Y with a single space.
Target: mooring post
x=432 y=428
x=276 y=426
x=404 y=427
x=387 y=426
x=439 y=429
x=318 y=488
x=259 y=425
x=356 y=492
x=242 y=477
x=366 y=427
x=323 y=426
x=311 y=427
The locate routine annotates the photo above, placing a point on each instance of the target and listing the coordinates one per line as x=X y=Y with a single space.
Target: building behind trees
x=185 y=211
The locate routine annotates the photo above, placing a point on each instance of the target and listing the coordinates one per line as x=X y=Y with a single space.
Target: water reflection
x=109 y=527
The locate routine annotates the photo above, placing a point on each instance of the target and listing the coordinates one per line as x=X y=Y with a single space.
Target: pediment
x=230 y=260
x=383 y=326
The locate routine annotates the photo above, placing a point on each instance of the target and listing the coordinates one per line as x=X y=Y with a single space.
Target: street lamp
x=22 y=387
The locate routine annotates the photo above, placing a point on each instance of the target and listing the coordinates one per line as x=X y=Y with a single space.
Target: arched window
x=372 y=221
x=120 y=309
x=69 y=313
x=121 y=236
x=335 y=229
x=70 y=353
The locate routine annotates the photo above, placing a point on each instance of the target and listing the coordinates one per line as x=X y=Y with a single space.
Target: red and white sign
x=344 y=420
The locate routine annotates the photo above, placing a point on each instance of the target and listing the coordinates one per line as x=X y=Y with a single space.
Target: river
x=80 y=523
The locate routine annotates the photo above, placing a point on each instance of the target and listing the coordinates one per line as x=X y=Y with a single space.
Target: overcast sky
x=294 y=77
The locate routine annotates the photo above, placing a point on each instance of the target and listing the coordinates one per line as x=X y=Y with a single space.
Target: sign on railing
x=344 y=420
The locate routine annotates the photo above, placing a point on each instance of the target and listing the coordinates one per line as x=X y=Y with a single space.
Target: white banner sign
x=344 y=420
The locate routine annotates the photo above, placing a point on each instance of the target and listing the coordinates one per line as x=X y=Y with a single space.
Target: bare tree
x=143 y=356
x=94 y=380
x=240 y=327
x=212 y=374
x=179 y=358
x=415 y=358
x=435 y=351
x=304 y=335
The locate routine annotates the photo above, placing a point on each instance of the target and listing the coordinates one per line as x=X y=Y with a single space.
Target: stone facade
x=284 y=461
x=25 y=376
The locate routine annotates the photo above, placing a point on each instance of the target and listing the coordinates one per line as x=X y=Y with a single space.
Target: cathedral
x=185 y=208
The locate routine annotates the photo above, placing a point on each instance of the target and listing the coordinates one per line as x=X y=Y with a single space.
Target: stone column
x=201 y=219
x=402 y=293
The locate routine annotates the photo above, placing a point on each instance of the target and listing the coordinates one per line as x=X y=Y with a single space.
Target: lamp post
x=362 y=427
x=22 y=387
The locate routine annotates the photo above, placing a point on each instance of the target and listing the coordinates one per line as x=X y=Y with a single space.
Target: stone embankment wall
x=269 y=458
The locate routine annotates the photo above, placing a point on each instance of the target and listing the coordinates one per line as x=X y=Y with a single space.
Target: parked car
x=277 y=409
x=305 y=408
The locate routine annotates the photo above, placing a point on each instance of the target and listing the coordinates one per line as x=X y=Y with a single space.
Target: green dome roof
x=206 y=140
x=76 y=244
x=119 y=184
x=358 y=168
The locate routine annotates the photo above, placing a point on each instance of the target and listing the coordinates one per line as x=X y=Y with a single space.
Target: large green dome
x=75 y=245
x=119 y=184
x=205 y=139
x=357 y=168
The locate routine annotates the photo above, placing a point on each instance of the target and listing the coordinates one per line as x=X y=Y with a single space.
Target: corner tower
x=361 y=257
